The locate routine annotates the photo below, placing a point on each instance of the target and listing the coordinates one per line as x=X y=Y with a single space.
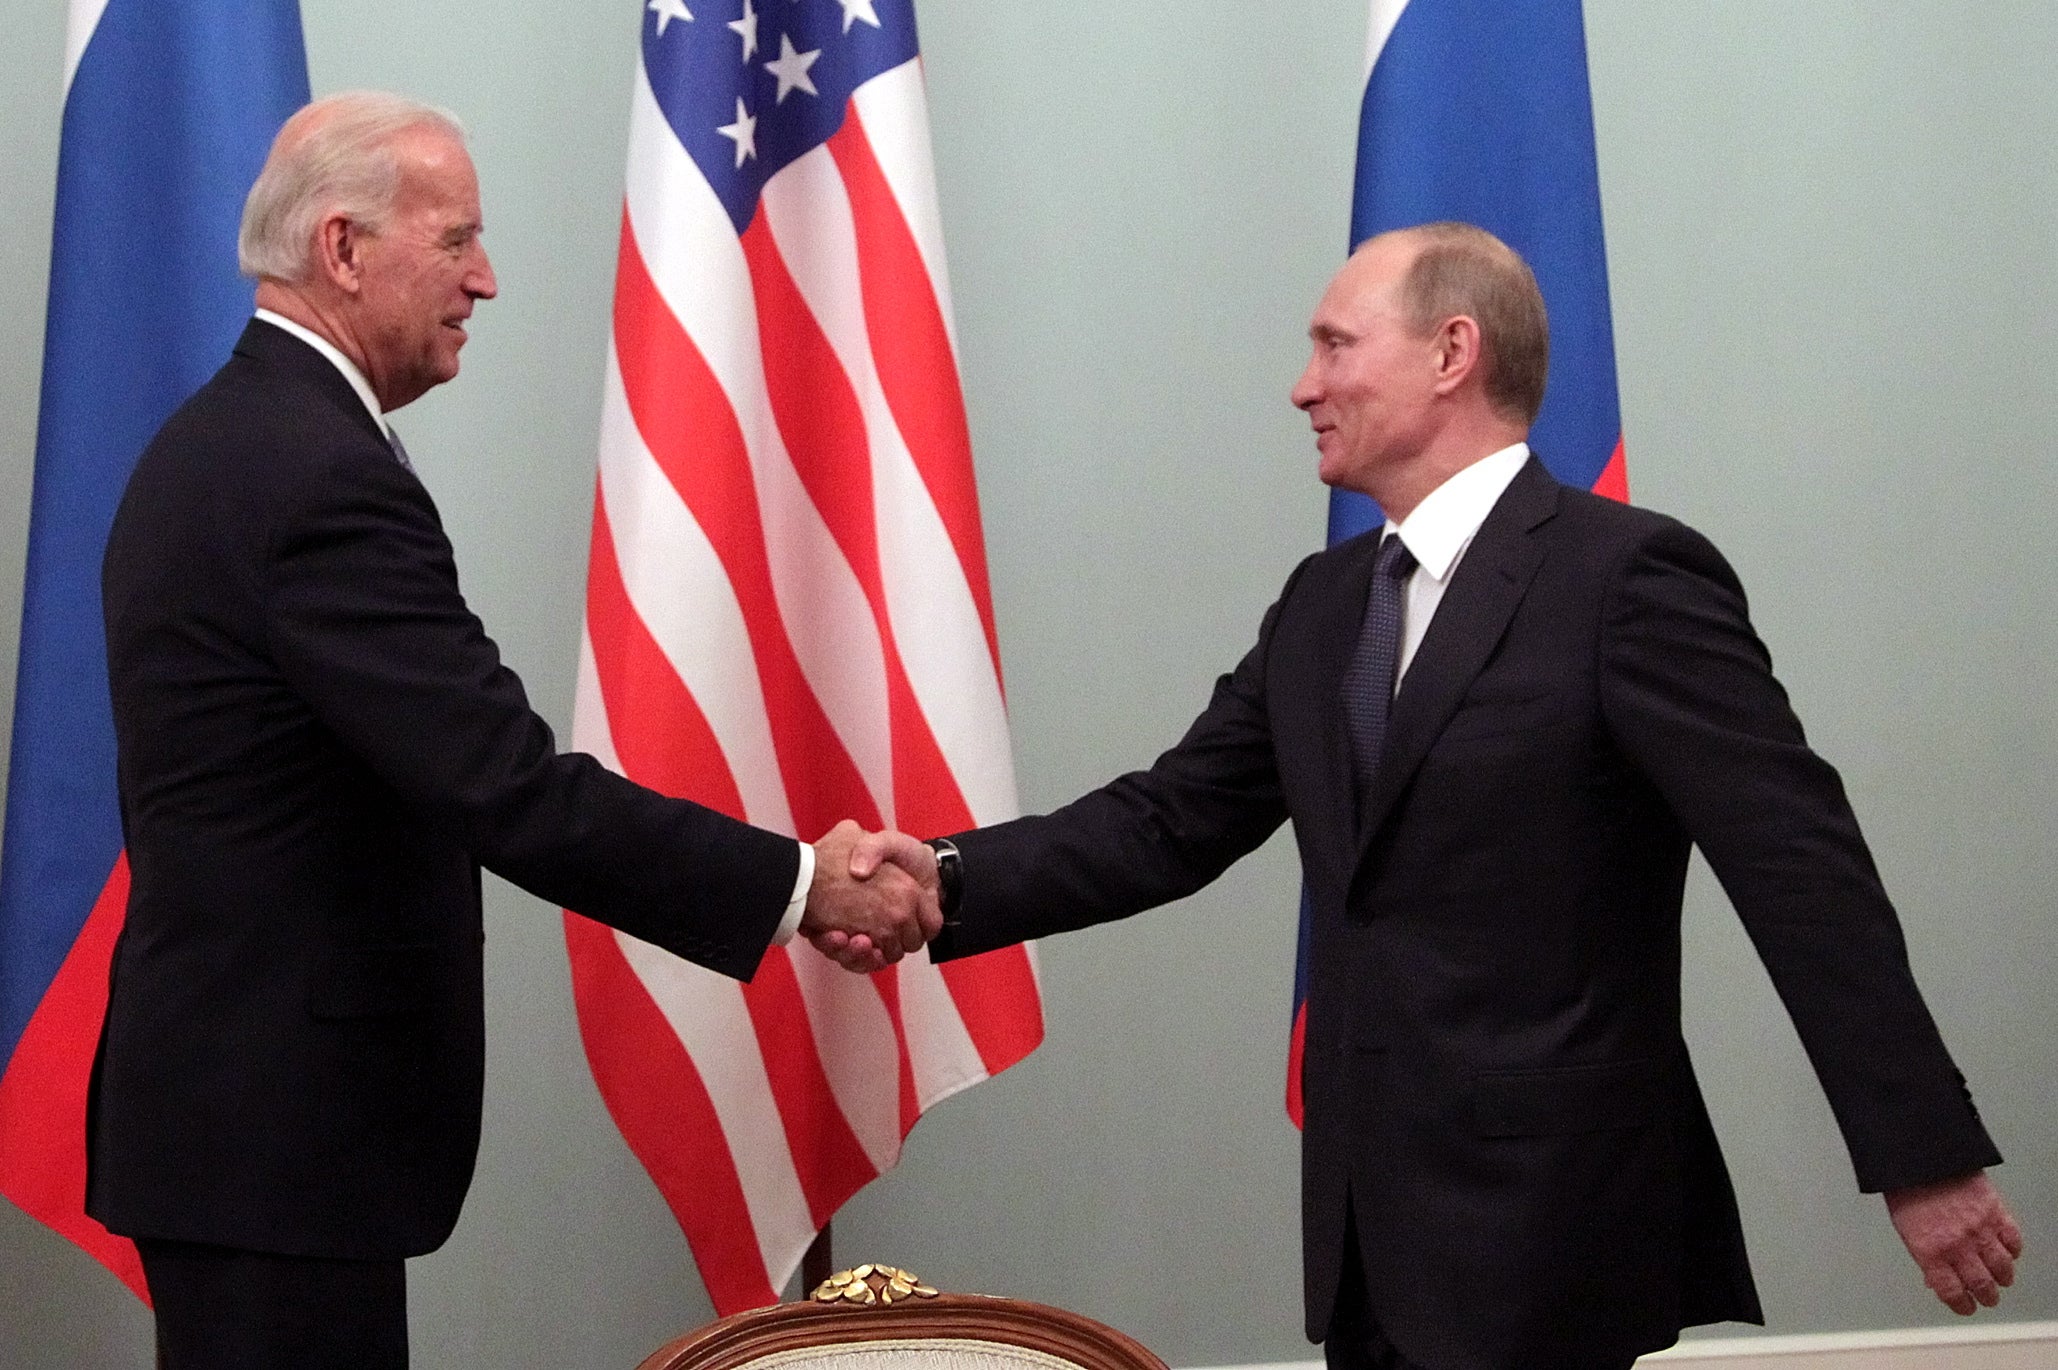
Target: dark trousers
x=219 y=1308
x=1355 y=1341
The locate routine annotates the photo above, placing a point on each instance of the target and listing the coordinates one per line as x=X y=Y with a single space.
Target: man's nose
x=479 y=283
x=1305 y=390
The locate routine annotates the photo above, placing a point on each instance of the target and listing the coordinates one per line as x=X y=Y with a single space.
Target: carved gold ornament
x=872 y=1284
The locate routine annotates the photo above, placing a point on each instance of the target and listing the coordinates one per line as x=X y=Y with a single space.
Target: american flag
x=787 y=611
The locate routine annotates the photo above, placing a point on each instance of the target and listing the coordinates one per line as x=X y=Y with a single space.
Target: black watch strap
x=950 y=876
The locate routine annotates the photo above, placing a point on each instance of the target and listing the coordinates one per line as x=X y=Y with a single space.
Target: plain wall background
x=1835 y=273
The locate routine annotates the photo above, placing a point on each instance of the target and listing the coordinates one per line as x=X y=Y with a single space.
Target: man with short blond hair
x=1498 y=727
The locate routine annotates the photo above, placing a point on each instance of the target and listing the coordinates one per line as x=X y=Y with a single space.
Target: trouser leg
x=219 y=1308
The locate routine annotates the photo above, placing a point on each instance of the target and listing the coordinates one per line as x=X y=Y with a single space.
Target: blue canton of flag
x=749 y=91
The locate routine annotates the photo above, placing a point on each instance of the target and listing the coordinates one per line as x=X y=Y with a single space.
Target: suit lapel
x=1483 y=595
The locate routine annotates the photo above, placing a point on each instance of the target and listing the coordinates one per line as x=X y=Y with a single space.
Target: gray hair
x=334 y=156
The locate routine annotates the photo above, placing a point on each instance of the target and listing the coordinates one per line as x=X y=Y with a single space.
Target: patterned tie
x=399 y=447
x=1368 y=682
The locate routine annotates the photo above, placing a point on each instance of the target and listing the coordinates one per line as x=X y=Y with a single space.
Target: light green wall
x=1831 y=232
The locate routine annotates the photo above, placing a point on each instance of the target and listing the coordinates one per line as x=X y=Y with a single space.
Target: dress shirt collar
x=342 y=363
x=1442 y=526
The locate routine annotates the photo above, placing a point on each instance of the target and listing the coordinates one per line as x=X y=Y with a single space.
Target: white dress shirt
x=797 y=904
x=1437 y=534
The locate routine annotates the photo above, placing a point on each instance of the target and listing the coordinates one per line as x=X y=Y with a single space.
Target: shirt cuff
x=797 y=905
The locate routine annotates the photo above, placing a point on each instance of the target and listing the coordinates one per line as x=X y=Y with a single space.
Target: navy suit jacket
x=319 y=747
x=1495 y=1080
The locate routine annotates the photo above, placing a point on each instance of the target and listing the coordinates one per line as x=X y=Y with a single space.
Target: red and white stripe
x=788 y=619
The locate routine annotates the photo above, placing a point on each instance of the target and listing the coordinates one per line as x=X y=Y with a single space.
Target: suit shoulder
x=259 y=432
x=1640 y=552
x=256 y=457
x=1605 y=523
x=1611 y=516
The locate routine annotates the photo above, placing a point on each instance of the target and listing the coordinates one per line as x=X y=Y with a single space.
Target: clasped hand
x=875 y=897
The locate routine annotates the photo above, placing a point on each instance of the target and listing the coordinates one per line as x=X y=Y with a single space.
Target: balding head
x=337 y=156
x=1461 y=269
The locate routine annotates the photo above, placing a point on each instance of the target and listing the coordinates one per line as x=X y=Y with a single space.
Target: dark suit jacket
x=319 y=747
x=1494 y=1074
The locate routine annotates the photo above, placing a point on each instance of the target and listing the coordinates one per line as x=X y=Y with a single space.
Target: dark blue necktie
x=399 y=447
x=1368 y=681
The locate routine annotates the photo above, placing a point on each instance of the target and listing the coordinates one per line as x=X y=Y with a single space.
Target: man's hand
x=867 y=913
x=1962 y=1235
x=875 y=849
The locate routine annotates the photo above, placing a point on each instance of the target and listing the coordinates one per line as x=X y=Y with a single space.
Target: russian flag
x=1479 y=111
x=169 y=107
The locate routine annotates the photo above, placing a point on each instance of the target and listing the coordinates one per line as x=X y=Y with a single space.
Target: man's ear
x=339 y=249
x=1460 y=349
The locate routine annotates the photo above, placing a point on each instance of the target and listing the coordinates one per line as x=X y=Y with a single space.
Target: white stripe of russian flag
x=1385 y=14
x=80 y=24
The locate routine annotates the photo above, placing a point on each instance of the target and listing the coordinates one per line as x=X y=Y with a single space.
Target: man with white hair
x=319 y=748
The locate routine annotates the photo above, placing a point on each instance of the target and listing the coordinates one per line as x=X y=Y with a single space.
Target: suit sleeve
x=1144 y=839
x=1688 y=693
x=366 y=622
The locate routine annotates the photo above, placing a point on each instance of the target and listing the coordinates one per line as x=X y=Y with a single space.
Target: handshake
x=875 y=897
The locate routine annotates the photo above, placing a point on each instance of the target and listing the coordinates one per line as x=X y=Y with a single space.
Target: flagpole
x=819 y=1262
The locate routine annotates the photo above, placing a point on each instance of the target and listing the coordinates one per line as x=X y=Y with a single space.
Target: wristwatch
x=950 y=876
